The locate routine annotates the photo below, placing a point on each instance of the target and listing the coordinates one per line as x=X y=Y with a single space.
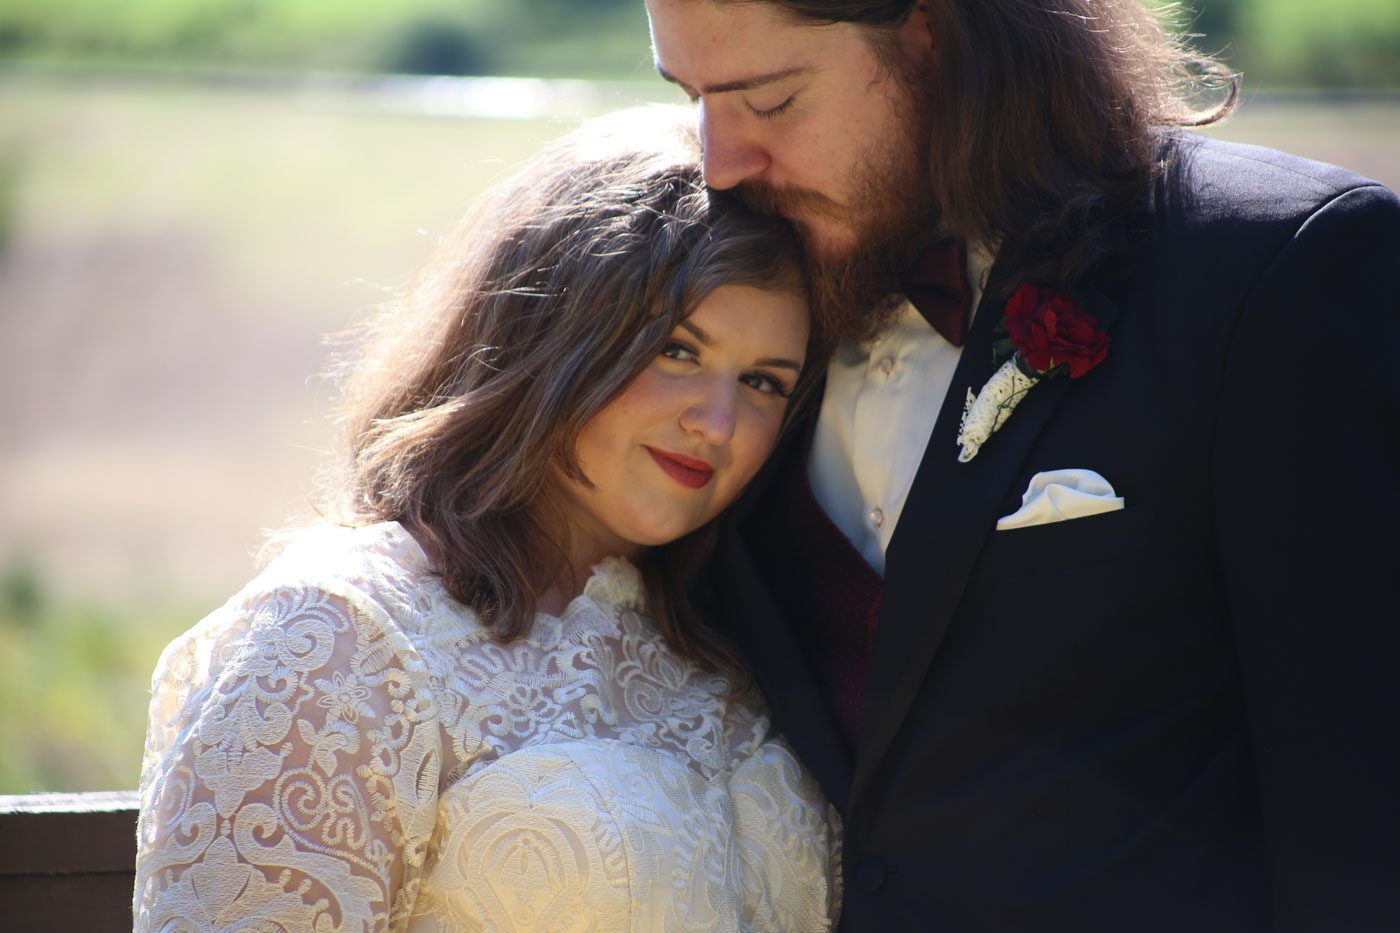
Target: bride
x=479 y=694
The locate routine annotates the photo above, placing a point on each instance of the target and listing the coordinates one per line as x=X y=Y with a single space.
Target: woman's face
x=681 y=442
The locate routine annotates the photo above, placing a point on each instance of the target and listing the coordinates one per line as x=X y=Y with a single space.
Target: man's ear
x=916 y=36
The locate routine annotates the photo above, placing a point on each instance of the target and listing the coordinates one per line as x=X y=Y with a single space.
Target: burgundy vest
x=829 y=595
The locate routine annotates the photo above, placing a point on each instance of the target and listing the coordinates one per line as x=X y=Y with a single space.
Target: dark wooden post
x=67 y=861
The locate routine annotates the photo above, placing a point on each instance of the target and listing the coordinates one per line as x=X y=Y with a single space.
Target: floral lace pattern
x=343 y=747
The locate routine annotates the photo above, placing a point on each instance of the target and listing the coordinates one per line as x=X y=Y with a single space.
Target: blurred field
x=575 y=38
x=170 y=258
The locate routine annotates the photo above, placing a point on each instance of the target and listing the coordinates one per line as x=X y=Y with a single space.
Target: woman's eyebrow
x=778 y=361
x=781 y=362
x=699 y=334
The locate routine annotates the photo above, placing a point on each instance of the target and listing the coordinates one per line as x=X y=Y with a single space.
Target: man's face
x=805 y=120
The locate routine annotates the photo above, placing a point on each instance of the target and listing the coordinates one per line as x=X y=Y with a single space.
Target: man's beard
x=857 y=293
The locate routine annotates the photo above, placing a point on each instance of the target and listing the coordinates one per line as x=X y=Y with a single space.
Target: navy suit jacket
x=1183 y=715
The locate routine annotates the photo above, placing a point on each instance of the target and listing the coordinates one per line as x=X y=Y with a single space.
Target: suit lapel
x=951 y=509
x=799 y=708
x=767 y=640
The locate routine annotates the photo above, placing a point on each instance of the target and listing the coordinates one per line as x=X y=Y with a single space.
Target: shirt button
x=869 y=875
x=887 y=365
x=877 y=517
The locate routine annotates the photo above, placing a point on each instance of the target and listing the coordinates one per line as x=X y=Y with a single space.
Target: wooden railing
x=67 y=861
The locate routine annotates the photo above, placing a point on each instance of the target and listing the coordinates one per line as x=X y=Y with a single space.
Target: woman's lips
x=689 y=472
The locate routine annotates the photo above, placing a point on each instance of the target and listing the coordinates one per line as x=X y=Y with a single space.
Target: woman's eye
x=766 y=384
x=768 y=113
x=675 y=350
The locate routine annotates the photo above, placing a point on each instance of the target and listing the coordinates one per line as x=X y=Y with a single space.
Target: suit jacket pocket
x=1109 y=536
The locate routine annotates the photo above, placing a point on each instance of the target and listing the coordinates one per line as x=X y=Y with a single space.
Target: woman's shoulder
x=377 y=569
x=369 y=584
x=365 y=559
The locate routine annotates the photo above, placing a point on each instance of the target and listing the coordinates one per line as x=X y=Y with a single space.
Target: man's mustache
x=788 y=201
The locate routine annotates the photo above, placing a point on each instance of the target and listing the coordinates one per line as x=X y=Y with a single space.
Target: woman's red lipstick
x=689 y=472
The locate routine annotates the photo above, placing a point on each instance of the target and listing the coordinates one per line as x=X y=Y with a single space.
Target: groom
x=1117 y=652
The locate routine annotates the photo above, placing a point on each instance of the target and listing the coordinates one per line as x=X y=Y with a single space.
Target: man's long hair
x=1046 y=117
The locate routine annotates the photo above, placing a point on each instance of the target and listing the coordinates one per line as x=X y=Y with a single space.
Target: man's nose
x=730 y=156
x=713 y=411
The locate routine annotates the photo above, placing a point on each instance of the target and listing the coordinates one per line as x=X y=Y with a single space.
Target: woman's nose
x=730 y=157
x=713 y=412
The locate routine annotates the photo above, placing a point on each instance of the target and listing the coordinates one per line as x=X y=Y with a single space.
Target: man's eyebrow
x=741 y=84
x=706 y=340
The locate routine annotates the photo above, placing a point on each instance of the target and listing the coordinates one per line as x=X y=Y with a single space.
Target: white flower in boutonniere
x=1043 y=334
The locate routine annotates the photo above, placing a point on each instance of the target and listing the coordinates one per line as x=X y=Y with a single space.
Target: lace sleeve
x=789 y=839
x=291 y=771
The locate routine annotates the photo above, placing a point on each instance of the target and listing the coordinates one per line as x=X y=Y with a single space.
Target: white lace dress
x=342 y=747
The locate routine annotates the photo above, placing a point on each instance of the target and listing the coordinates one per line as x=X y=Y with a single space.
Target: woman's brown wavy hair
x=466 y=398
x=1045 y=115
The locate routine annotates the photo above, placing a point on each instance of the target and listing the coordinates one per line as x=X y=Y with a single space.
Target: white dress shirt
x=879 y=408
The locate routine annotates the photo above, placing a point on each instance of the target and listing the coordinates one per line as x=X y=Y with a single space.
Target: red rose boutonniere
x=1043 y=334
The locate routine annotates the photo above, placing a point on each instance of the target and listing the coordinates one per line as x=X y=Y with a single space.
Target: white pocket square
x=1058 y=495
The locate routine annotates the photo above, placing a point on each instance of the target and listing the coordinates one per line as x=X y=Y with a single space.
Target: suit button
x=869 y=875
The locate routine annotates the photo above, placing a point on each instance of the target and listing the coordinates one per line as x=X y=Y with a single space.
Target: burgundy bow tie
x=936 y=283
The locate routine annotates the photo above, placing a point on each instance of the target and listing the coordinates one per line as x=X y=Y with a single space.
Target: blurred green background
x=1277 y=43
x=194 y=192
